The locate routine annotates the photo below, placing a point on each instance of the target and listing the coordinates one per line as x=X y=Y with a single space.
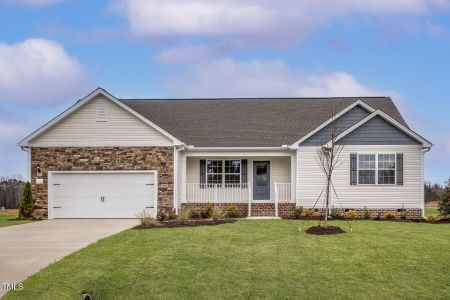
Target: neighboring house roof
x=249 y=122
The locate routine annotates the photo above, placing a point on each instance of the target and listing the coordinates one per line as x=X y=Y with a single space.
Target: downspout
x=424 y=150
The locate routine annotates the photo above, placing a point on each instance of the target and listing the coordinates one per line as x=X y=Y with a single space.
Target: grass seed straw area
x=251 y=259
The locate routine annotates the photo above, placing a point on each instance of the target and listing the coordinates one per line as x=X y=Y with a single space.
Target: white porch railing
x=283 y=192
x=217 y=193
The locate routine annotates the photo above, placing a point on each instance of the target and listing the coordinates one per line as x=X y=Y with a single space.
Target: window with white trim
x=227 y=172
x=376 y=169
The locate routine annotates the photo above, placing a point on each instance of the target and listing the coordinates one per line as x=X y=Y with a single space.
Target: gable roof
x=249 y=122
x=99 y=91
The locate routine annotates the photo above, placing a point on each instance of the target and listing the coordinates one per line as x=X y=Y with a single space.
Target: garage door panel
x=124 y=194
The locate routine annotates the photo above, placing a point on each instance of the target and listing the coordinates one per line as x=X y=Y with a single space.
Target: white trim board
x=390 y=120
x=333 y=118
x=99 y=91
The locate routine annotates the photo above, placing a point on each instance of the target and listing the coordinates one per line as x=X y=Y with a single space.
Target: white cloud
x=256 y=18
x=33 y=3
x=231 y=78
x=39 y=71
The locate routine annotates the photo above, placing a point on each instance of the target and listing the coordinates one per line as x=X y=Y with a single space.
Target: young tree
x=329 y=158
x=444 y=205
x=26 y=207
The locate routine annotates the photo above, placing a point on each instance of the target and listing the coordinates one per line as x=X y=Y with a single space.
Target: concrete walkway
x=25 y=249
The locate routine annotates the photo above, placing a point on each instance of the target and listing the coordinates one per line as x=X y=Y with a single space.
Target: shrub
x=204 y=215
x=232 y=212
x=432 y=219
x=298 y=212
x=334 y=212
x=183 y=217
x=403 y=214
x=208 y=210
x=162 y=216
x=366 y=213
x=195 y=214
x=26 y=207
x=444 y=205
x=390 y=216
x=309 y=212
x=172 y=215
x=216 y=214
x=351 y=214
x=146 y=220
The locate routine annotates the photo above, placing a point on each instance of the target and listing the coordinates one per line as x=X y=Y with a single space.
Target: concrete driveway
x=25 y=249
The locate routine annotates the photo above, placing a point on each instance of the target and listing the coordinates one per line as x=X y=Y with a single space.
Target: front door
x=261 y=180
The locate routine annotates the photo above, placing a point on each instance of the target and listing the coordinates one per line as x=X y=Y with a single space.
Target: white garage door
x=101 y=195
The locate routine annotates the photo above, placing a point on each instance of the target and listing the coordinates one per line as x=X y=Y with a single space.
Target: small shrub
x=378 y=216
x=146 y=220
x=366 y=213
x=334 y=213
x=232 y=212
x=195 y=214
x=204 y=215
x=26 y=207
x=351 y=214
x=309 y=212
x=183 y=217
x=216 y=214
x=390 y=216
x=432 y=219
x=298 y=212
x=403 y=214
x=172 y=215
x=162 y=216
x=208 y=210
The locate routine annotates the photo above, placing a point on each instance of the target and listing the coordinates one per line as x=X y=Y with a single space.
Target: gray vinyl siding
x=377 y=131
x=343 y=123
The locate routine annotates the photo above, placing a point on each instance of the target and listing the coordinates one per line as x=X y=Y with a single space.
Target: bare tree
x=329 y=157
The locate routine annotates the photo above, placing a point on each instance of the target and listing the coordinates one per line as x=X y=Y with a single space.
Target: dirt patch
x=191 y=223
x=324 y=230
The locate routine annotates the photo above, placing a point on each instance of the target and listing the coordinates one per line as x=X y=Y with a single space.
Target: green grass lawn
x=255 y=259
x=9 y=219
x=431 y=211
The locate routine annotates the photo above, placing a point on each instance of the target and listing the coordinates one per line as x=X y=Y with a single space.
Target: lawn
x=7 y=219
x=431 y=211
x=255 y=259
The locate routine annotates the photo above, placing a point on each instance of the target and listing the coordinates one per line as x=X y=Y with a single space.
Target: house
x=111 y=158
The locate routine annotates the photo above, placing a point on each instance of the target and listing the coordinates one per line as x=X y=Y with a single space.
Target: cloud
x=232 y=78
x=254 y=18
x=40 y=71
x=32 y=3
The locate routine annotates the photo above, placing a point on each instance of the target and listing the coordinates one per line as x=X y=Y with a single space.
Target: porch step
x=264 y=218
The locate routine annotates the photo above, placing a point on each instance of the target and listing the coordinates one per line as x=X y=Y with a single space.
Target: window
x=227 y=172
x=376 y=168
x=366 y=165
x=386 y=169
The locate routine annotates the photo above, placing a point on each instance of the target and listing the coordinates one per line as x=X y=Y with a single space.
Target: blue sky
x=53 y=52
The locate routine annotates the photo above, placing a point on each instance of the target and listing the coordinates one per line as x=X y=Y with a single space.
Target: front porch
x=254 y=185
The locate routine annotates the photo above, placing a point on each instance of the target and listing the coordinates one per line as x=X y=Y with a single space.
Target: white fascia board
x=425 y=143
x=89 y=97
x=342 y=112
x=193 y=148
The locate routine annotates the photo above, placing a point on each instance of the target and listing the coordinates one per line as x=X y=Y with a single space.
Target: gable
x=341 y=124
x=81 y=128
x=377 y=131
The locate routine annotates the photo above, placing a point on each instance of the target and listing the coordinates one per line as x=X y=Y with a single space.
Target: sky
x=54 y=52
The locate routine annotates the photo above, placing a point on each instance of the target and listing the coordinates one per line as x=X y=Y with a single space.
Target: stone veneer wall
x=101 y=158
x=286 y=210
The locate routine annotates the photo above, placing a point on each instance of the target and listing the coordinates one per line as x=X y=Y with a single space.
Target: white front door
x=101 y=194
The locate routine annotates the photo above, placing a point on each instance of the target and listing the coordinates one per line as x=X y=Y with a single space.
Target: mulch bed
x=324 y=230
x=191 y=223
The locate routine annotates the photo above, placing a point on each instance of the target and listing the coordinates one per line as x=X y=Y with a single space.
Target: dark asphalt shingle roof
x=247 y=122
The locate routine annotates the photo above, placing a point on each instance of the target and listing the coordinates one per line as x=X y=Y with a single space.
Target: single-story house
x=111 y=158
